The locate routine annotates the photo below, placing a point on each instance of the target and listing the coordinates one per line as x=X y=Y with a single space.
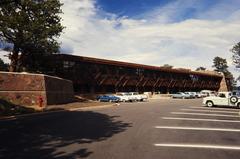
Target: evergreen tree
x=220 y=65
x=32 y=27
x=236 y=55
x=200 y=68
x=167 y=66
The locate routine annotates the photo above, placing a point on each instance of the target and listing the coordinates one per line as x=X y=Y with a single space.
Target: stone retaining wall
x=27 y=89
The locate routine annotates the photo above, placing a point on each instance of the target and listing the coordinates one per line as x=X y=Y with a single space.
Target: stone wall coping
x=34 y=74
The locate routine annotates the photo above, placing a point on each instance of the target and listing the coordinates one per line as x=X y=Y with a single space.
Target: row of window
x=115 y=70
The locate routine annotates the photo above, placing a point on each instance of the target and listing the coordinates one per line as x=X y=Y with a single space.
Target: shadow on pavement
x=219 y=107
x=59 y=135
x=7 y=109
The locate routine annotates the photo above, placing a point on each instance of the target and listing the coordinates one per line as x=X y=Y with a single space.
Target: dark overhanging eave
x=134 y=65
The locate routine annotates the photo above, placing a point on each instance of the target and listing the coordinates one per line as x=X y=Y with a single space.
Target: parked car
x=195 y=94
x=206 y=93
x=222 y=99
x=108 y=98
x=138 y=97
x=135 y=96
x=198 y=95
x=125 y=97
x=181 y=95
x=144 y=97
x=190 y=94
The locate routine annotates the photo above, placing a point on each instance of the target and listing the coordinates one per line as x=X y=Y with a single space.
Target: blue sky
x=130 y=8
x=187 y=9
x=182 y=33
x=136 y=8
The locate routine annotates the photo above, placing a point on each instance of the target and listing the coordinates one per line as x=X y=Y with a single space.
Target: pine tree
x=220 y=65
x=236 y=55
x=32 y=27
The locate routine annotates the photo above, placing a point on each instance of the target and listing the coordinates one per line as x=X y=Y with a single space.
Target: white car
x=222 y=99
x=138 y=97
x=125 y=97
x=198 y=95
x=144 y=97
x=206 y=93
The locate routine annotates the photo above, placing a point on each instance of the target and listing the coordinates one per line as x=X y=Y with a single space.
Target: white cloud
x=222 y=10
x=3 y=56
x=157 y=38
x=189 y=43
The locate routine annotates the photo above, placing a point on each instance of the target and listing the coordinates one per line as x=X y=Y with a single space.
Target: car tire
x=234 y=99
x=209 y=104
x=238 y=105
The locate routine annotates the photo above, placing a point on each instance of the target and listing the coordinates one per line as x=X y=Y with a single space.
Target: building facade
x=93 y=75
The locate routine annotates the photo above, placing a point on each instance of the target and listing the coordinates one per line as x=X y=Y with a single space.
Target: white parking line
x=199 y=146
x=197 y=128
x=217 y=111
x=204 y=114
x=207 y=120
x=219 y=108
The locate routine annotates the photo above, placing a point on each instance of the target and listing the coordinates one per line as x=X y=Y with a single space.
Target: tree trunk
x=14 y=60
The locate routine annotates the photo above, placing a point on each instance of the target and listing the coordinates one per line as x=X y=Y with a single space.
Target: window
x=68 y=64
x=194 y=77
x=139 y=71
x=222 y=95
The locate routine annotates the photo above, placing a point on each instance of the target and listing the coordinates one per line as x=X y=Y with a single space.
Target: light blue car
x=181 y=95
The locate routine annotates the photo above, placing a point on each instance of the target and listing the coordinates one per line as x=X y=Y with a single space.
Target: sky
x=182 y=33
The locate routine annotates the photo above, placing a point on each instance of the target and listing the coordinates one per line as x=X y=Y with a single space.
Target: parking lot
x=200 y=132
x=160 y=128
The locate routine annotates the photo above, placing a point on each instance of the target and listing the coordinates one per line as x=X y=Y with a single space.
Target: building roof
x=141 y=66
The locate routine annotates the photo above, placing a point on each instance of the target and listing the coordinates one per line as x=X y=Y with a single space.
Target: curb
x=94 y=107
x=161 y=98
x=14 y=117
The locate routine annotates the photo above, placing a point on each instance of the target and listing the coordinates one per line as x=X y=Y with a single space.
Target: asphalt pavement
x=158 y=129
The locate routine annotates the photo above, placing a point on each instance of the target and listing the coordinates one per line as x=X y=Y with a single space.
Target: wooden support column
x=160 y=83
x=125 y=82
x=140 y=81
x=97 y=75
x=170 y=83
x=120 y=80
x=145 y=82
x=103 y=80
x=155 y=84
x=174 y=82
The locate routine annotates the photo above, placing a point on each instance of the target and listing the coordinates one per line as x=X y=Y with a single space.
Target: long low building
x=93 y=75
